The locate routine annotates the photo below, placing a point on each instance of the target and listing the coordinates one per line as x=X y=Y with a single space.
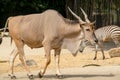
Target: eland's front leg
x=47 y=49
x=57 y=61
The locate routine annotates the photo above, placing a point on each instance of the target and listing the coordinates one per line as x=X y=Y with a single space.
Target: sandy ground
x=71 y=67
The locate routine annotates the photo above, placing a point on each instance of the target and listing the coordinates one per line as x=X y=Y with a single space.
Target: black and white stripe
x=108 y=33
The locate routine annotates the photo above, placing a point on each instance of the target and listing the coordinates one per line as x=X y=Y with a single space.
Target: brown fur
x=49 y=30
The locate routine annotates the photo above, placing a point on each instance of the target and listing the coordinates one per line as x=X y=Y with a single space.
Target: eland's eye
x=87 y=29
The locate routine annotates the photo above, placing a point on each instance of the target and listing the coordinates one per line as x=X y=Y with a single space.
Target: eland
x=49 y=30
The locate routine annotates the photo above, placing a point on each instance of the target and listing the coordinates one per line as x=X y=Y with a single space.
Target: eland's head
x=86 y=26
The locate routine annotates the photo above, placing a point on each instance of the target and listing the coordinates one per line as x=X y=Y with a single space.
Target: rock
x=114 y=52
x=29 y=63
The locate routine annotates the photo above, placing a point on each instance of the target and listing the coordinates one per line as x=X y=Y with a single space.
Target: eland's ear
x=92 y=24
x=81 y=25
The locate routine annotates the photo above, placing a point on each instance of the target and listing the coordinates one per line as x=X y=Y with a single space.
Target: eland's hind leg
x=13 y=55
x=20 y=46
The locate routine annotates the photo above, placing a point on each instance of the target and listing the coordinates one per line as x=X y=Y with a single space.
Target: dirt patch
x=66 y=61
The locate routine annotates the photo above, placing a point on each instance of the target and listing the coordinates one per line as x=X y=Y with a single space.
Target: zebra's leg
x=96 y=49
x=117 y=43
x=101 y=48
x=103 y=53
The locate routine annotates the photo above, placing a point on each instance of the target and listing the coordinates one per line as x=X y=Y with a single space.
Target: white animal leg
x=13 y=55
x=57 y=60
x=96 y=50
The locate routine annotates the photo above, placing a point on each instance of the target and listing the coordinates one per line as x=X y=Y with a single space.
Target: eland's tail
x=4 y=30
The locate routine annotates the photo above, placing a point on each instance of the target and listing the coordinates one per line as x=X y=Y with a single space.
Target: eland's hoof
x=12 y=76
x=59 y=76
x=30 y=76
x=94 y=58
x=103 y=58
x=40 y=75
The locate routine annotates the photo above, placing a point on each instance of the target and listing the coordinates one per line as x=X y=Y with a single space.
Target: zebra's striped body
x=108 y=33
x=103 y=34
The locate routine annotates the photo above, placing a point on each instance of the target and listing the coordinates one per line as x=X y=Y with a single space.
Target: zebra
x=103 y=34
x=84 y=43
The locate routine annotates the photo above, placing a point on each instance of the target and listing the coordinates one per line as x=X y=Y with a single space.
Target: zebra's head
x=83 y=44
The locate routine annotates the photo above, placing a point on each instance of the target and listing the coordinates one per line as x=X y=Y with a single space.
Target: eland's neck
x=71 y=28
